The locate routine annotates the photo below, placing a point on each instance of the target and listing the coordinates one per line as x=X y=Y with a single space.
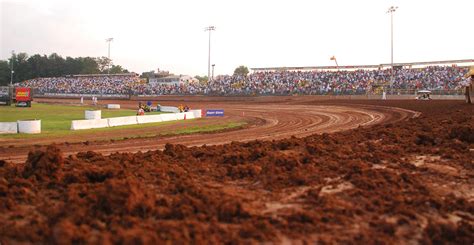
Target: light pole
x=335 y=60
x=209 y=29
x=12 y=71
x=109 y=40
x=390 y=11
x=213 y=65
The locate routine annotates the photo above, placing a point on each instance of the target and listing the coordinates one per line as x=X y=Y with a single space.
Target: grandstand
x=442 y=77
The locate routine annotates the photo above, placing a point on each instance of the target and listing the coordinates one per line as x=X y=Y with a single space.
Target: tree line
x=28 y=67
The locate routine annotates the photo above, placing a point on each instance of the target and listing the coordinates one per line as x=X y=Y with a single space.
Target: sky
x=169 y=35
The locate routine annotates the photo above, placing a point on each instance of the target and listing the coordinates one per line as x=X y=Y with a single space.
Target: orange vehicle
x=23 y=97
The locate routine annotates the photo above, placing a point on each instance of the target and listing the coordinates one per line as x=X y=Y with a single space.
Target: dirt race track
x=267 y=118
x=357 y=172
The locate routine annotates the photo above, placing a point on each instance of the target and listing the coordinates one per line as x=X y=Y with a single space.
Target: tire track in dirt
x=280 y=121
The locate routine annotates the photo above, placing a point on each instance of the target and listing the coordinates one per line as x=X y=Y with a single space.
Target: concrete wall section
x=149 y=119
x=121 y=121
x=169 y=117
x=29 y=126
x=196 y=113
x=448 y=97
x=8 y=127
x=88 y=124
x=131 y=120
x=189 y=115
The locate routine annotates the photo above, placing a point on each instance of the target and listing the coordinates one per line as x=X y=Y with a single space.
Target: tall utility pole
x=12 y=71
x=109 y=40
x=209 y=29
x=390 y=11
x=335 y=60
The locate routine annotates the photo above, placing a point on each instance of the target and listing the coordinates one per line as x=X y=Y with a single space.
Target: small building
x=173 y=80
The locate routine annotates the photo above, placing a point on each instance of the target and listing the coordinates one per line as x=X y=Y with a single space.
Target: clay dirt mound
x=409 y=182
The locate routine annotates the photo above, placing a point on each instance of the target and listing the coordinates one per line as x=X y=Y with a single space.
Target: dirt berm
x=405 y=183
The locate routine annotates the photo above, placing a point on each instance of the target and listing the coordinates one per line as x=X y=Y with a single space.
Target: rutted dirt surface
x=266 y=118
x=402 y=181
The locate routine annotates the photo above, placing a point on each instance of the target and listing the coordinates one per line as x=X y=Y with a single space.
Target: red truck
x=23 y=97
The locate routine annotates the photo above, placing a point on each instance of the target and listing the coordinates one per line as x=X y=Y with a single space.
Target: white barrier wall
x=29 y=126
x=88 y=124
x=184 y=115
x=113 y=106
x=169 y=117
x=149 y=119
x=121 y=121
x=189 y=115
x=196 y=113
x=8 y=127
x=97 y=114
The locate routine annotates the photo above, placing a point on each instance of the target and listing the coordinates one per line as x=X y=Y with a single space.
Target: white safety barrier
x=149 y=119
x=8 y=127
x=184 y=116
x=29 y=126
x=131 y=120
x=121 y=121
x=196 y=113
x=113 y=106
x=169 y=117
x=189 y=115
x=169 y=109
x=97 y=114
x=88 y=124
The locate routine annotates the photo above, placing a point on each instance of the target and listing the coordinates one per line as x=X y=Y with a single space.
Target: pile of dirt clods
x=408 y=183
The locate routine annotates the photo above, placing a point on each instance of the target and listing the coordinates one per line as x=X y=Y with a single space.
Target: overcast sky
x=170 y=34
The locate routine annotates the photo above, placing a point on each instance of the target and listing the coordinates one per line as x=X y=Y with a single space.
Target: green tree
x=103 y=64
x=53 y=66
x=20 y=67
x=89 y=65
x=56 y=65
x=4 y=73
x=117 y=69
x=38 y=66
x=241 y=71
x=72 y=66
x=147 y=74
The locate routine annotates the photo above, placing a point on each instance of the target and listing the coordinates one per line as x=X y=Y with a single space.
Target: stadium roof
x=363 y=66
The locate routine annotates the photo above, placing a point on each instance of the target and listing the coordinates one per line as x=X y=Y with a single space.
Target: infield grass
x=56 y=121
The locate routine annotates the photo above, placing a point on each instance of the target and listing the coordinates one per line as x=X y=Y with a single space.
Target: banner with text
x=215 y=113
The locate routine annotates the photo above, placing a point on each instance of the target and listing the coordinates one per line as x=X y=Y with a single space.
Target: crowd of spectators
x=93 y=84
x=265 y=83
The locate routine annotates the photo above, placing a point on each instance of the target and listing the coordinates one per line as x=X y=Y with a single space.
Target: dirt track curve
x=395 y=180
x=266 y=121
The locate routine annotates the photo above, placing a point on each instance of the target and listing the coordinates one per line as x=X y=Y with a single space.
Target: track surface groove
x=266 y=121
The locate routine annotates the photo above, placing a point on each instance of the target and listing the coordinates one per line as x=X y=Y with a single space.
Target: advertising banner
x=215 y=113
